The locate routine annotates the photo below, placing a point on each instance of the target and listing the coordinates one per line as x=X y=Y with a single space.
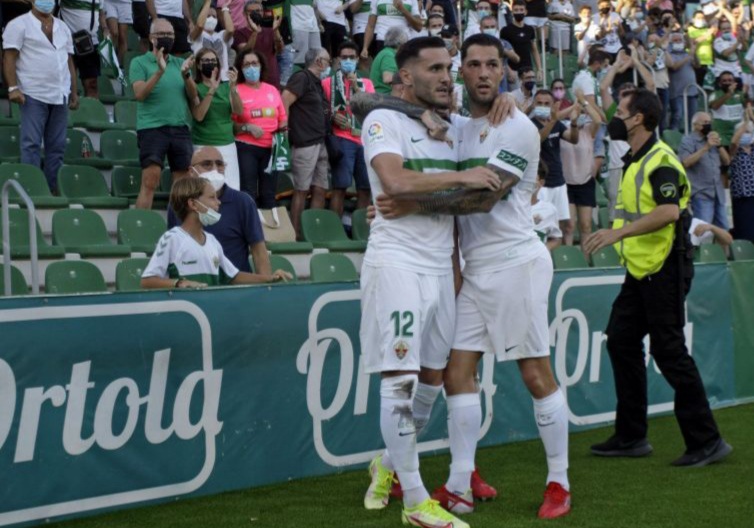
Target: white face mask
x=210 y=217
x=434 y=32
x=215 y=178
x=210 y=24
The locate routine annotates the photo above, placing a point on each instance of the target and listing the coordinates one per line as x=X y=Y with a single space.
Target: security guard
x=651 y=234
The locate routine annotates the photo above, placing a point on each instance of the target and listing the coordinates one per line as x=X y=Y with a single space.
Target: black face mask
x=617 y=130
x=256 y=18
x=518 y=17
x=605 y=11
x=165 y=43
x=207 y=69
x=706 y=129
x=529 y=85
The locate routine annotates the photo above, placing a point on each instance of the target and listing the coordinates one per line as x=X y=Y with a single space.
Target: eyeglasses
x=208 y=164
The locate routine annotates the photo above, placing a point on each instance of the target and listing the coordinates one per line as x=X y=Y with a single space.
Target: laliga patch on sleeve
x=668 y=190
x=375 y=133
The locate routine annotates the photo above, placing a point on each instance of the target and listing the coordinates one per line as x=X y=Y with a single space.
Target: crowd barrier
x=116 y=400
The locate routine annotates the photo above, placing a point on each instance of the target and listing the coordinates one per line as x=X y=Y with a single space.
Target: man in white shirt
x=387 y=14
x=330 y=12
x=41 y=78
x=306 y=29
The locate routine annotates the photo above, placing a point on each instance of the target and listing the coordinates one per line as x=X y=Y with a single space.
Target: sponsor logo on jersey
x=512 y=159
x=375 y=133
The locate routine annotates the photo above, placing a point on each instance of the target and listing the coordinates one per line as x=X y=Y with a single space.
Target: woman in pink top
x=263 y=115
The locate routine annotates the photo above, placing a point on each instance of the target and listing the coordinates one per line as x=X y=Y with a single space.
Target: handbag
x=83 y=43
x=276 y=225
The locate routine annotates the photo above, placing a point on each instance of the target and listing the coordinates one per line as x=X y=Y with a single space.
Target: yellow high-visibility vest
x=645 y=254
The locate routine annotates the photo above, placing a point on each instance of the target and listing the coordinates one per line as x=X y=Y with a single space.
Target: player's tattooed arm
x=363 y=103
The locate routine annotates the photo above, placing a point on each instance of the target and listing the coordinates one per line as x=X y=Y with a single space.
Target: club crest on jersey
x=401 y=349
x=216 y=261
x=484 y=134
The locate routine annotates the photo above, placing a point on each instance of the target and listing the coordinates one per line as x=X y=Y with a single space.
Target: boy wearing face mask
x=207 y=34
x=346 y=128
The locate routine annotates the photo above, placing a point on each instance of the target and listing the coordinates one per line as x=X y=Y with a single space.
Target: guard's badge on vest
x=668 y=190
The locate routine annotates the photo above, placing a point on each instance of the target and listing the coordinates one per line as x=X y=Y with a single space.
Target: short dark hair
x=646 y=103
x=348 y=44
x=411 y=49
x=523 y=71
x=598 y=56
x=262 y=65
x=521 y=3
x=481 y=39
x=545 y=91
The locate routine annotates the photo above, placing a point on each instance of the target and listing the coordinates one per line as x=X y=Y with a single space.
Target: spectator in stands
x=162 y=85
x=265 y=41
x=450 y=35
x=140 y=16
x=702 y=154
x=384 y=66
x=562 y=16
x=704 y=233
x=212 y=109
x=330 y=12
x=544 y=214
x=360 y=10
x=536 y=17
x=239 y=229
x=347 y=130
x=262 y=115
x=483 y=9
x=187 y=256
x=178 y=13
x=523 y=39
x=585 y=32
x=655 y=56
x=524 y=95
x=726 y=47
x=635 y=21
x=306 y=108
x=702 y=35
x=41 y=79
x=306 y=29
x=562 y=102
x=205 y=34
x=742 y=178
x=386 y=15
x=434 y=25
x=680 y=65
x=118 y=17
x=610 y=28
x=438 y=9
x=727 y=106
x=551 y=131
x=84 y=18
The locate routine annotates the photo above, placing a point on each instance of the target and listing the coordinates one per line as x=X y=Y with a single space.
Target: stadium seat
x=20 y=245
x=107 y=93
x=126 y=181
x=324 y=229
x=83 y=231
x=128 y=274
x=86 y=186
x=600 y=195
x=74 y=276
x=128 y=57
x=607 y=257
x=331 y=267
x=281 y=263
x=125 y=113
x=33 y=180
x=672 y=138
x=92 y=115
x=603 y=215
x=18 y=284
x=79 y=150
x=10 y=146
x=120 y=147
x=140 y=229
x=359 y=225
x=11 y=118
x=133 y=39
x=742 y=250
x=568 y=257
x=709 y=254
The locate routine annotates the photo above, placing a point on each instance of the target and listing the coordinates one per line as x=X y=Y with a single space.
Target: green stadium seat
x=86 y=186
x=672 y=138
x=74 y=276
x=281 y=263
x=568 y=257
x=18 y=284
x=603 y=215
x=79 y=150
x=92 y=115
x=83 y=231
x=33 y=180
x=127 y=58
x=324 y=229
x=12 y=117
x=601 y=196
x=107 y=93
x=331 y=267
x=128 y=274
x=133 y=39
x=120 y=147
x=292 y=248
x=742 y=250
x=125 y=113
x=20 y=245
x=607 y=257
x=709 y=254
x=10 y=144
x=126 y=181
x=140 y=229
x=359 y=225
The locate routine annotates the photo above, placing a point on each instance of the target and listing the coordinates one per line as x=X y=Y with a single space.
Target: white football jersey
x=505 y=236
x=420 y=243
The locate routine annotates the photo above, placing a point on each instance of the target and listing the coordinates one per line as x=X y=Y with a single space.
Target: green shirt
x=704 y=51
x=216 y=128
x=166 y=103
x=383 y=62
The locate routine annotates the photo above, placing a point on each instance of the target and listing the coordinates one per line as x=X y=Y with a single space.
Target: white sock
x=464 y=422
x=399 y=435
x=551 y=413
x=423 y=402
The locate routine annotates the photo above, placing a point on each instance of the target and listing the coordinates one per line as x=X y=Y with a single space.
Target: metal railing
x=33 y=252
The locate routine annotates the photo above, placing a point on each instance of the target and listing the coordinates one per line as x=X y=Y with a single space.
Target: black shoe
x=714 y=452
x=617 y=447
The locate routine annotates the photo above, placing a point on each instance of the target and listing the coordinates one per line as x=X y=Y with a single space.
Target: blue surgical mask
x=45 y=6
x=541 y=112
x=490 y=31
x=746 y=140
x=209 y=217
x=325 y=73
x=483 y=13
x=581 y=121
x=348 y=65
x=678 y=47
x=252 y=73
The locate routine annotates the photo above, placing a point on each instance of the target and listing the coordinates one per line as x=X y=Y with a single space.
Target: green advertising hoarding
x=109 y=401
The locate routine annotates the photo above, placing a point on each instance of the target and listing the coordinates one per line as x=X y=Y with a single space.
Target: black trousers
x=252 y=161
x=655 y=306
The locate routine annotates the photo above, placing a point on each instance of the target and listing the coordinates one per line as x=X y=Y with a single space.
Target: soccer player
x=502 y=305
x=408 y=305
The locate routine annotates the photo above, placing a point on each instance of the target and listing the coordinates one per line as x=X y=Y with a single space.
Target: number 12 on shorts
x=402 y=323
